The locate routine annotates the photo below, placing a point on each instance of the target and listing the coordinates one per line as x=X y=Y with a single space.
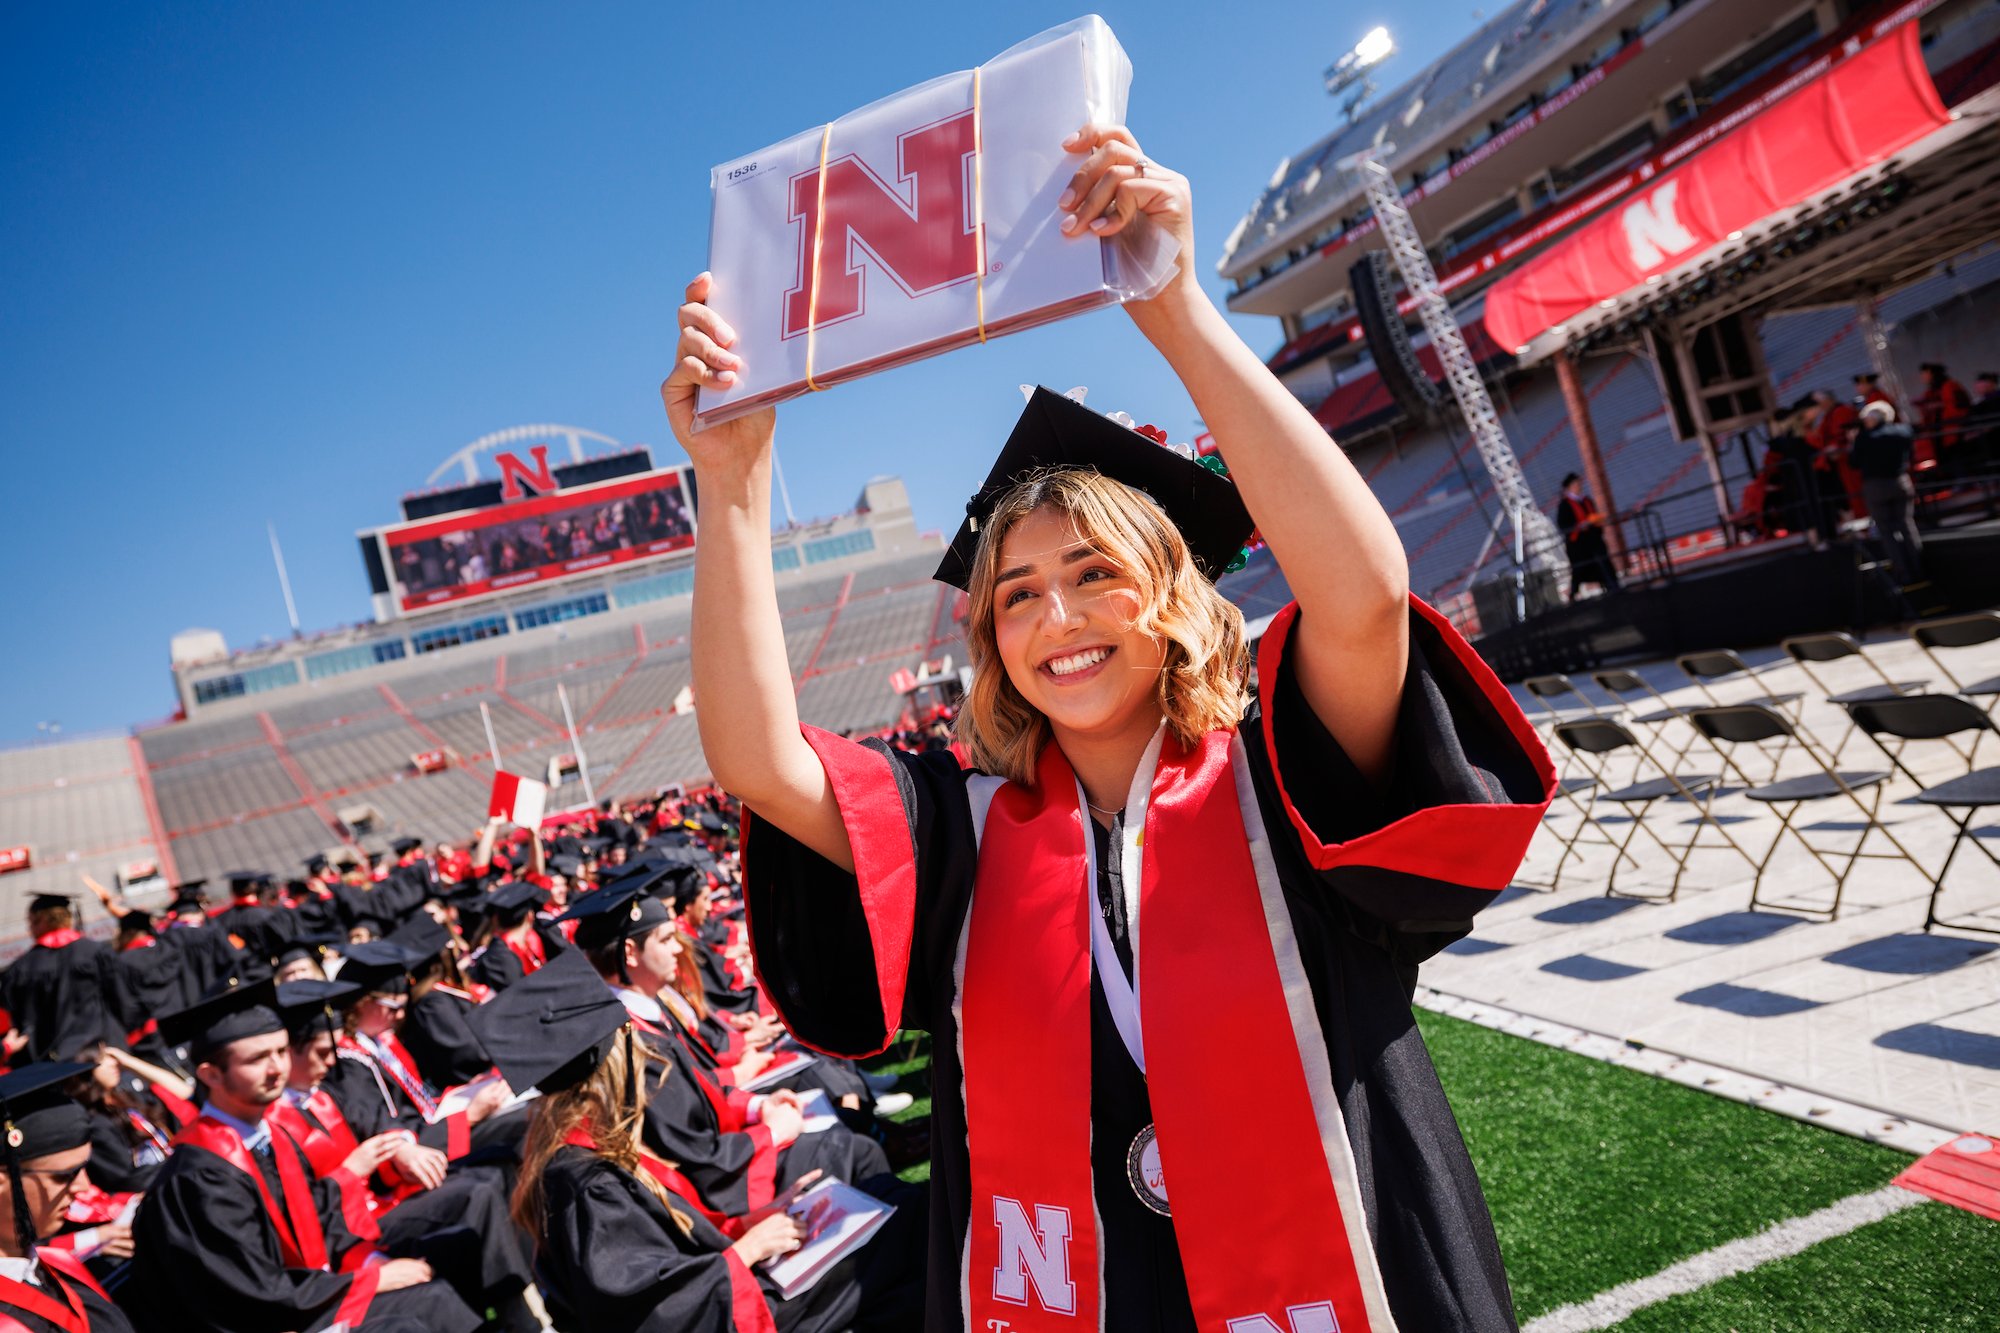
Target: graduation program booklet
x=922 y=222
x=817 y=1108
x=838 y=1220
x=786 y=1064
x=454 y=1100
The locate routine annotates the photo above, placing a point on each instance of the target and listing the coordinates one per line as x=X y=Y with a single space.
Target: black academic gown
x=64 y=998
x=613 y=1260
x=151 y=981
x=682 y=1126
x=68 y=1295
x=718 y=987
x=462 y=1228
x=1361 y=930
x=439 y=1039
x=123 y=1159
x=203 y=1246
x=375 y=1103
x=206 y=955
x=257 y=933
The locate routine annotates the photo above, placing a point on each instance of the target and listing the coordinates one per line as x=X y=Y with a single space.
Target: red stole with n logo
x=1263 y=1243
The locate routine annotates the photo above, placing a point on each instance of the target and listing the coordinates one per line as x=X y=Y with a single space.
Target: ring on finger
x=1140 y=166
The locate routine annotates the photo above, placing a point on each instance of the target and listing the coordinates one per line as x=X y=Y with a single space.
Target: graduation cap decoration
x=552 y=1028
x=379 y=966
x=311 y=1007
x=229 y=1013
x=1058 y=433
x=37 y=1119
x=619 y=911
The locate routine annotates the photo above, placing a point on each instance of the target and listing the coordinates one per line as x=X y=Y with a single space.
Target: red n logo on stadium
x=919 y=232
x=514 y=473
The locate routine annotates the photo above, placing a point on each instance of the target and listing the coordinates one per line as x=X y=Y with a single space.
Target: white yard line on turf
x=1738 y=1256
x=1814 y=1108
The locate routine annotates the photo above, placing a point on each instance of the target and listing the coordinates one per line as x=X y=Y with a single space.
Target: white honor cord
x=1121 y=996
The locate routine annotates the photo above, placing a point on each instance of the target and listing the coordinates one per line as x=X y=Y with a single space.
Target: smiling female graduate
x=1165 y=937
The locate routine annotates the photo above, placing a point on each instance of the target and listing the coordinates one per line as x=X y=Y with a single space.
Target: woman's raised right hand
x=702 y=359
x=775 y=1235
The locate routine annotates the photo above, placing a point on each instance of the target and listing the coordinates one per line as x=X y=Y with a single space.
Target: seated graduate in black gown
x=739 y=1149
x=515 y=945
x=236 y=1232
x=626 y=1244
x=434 y=1029
x=1142 y=822
x=45 y=1144
x=375 y=1079
x=455 y=1219
x=133 y=1117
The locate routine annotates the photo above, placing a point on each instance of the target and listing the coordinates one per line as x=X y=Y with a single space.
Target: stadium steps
x=167 y=745
x=909 y=569
x=70 y=761
x=343 y=705
x=222 y=788
x=882 y=623
x=354 y=753
x=275 y=842
x=458 y=722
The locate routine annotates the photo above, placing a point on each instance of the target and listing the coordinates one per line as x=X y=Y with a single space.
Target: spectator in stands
x=1107 y=695
x=1582 y=528
x=47 y=1146
x=1882 y=453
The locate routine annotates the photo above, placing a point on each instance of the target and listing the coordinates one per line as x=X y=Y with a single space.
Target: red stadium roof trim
x=1877 y=101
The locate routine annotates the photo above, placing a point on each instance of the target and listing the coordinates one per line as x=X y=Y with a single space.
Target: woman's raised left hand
x=1117 y=184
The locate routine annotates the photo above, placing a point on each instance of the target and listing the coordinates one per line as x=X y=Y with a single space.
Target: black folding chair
x=1940 y=717
x=1807 y=649
x=1922 y=717
x=1629 y=686
x=1571 y=790
x=1559 y=700
x=1719 y=663
x=1968 y=631
x=1754 y=724
x=1602 y=736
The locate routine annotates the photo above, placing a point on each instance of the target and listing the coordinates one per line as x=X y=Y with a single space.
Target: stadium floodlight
x=1352 y=68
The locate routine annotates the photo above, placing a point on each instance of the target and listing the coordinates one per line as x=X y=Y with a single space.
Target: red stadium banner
x=428 y=761
x=457 y=557
x=1849 y=117
x=15 y=858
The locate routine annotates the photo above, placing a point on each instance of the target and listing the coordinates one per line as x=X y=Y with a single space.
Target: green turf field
x=1599 y=1176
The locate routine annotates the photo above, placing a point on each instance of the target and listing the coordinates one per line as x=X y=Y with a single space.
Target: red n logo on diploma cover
x=513 y=472
x=919 y=232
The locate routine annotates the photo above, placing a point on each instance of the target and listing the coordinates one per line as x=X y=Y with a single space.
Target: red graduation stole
x=528 y=949
x=301 y=1239
x=1034 y=1249
x=67 y=1314
x=58 y=939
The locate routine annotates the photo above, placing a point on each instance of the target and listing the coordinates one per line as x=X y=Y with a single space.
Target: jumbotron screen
x=459 y=557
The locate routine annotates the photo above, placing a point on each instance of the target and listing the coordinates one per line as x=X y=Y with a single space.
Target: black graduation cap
x=516 y=894
x=48 y=902
x=229 y=1013
x=422 y=936
x=550 y=1029
x=36 y=1117
x=311 y=944
x=239 y=880
x=136 y=918
x=618 y=911
x=405 y=845
x=566 y=865
x=316 y=864
x=308 y=1007
x=378 y=965
x=1058 y=433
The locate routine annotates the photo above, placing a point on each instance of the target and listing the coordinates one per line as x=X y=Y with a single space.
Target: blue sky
x=276 y=261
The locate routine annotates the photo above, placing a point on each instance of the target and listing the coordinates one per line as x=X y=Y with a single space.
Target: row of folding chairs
x=1892 y=723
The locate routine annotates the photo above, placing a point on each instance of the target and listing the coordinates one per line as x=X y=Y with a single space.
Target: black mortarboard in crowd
x=566 y=864
x=48 y=902
x=190 y=895
x=37 y=1119
x=311 y=945
x=516 y=894
x=243 y=881
x=309 y=1007
x=229 y=1013
x=403 y=846
x=378 y=965
x=316 y=864
x=1058 y=433
x=422 y=937
x=550 y=1029
x=618 y=911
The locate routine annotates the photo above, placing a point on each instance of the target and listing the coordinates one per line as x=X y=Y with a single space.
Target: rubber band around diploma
x=819 y=236
x=979 y=204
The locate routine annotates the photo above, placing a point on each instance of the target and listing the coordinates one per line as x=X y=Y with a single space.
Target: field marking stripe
x=1737 y=1256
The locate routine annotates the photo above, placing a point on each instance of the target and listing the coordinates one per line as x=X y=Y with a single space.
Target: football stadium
x=1725 y=1051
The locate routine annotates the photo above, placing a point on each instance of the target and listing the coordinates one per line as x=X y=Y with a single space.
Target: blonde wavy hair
x=609 y=1105
x=1203 y=685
